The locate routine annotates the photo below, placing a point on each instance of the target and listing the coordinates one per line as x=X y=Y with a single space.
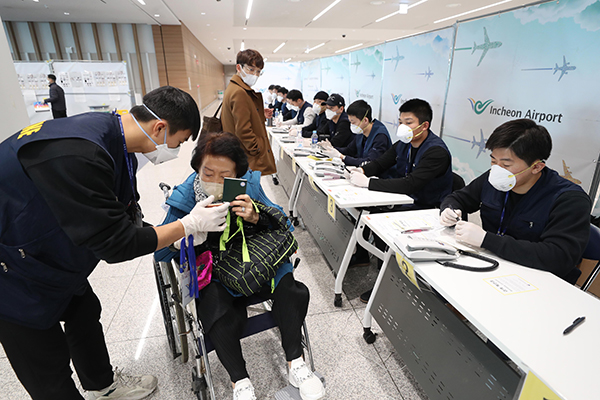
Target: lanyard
x=187 y=258
x=500 y=230
x=127 y=160
x=407 y=160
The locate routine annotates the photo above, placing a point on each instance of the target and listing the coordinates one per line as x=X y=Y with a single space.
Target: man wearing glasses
x=243 y=112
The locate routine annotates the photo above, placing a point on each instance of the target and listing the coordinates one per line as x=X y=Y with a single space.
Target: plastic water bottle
x=314 y=139
x=298 y=135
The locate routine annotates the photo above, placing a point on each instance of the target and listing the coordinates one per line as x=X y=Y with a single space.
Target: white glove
x=293 y=132
x=332 y=153
x=450 y=217
x=359 y=179
x=203 y=219
x=199 y=238
x=325 y=144
x=469 y=233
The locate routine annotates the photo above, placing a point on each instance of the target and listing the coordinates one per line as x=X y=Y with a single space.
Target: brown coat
x=243 y=115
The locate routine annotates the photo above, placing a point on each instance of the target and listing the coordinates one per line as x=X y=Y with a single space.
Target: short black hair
x=173 y=105
x=283 y=90
x=528 y=140
x=420 y=108
x=52 y=76
x=223 y=144
x=360 y=109
x=271 y=87
x=294 y=95
x=251 y=58
x=276 y=87
x=321 y=95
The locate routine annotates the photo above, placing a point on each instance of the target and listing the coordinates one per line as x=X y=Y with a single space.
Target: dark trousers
x=290 y=305
x=41 y=358
x=59 y=113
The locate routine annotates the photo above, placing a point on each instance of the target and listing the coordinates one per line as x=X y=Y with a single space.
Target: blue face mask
x=162 y=153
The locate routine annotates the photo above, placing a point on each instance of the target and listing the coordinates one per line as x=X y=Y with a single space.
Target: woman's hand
x=242 y=206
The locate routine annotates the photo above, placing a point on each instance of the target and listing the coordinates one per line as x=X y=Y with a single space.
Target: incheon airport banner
x=539 y=62
x=366 y=70
x=335 y=75
x=311 y=79
x=416 y=67
x=278 y=73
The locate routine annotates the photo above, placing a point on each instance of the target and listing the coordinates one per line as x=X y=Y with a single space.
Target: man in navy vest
x=304 y=111
x=320 y=123
x=371 y=137
x=421 y=158
x=530 y=215
x=418 y=165
x=68 y=199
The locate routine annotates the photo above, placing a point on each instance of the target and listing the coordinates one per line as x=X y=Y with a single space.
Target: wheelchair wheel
x=199 y=385
x=173 y=318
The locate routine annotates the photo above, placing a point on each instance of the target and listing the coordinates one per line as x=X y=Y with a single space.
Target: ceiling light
x=416 y=4
x=245 y=28
x=249 y=9
x=287 y=59
x=403 y=8
x=399 y=11
x=265 y=59
x=36 y=1
x=387 y=16
x=67 y=13
x=207 y=24
x=157 y=15
x=349 y=48
x=313 y=48
x=472 y=11
x=202 y=13
x=377 y=2
x=319 y=15
x=279 y=47
x=243 y=46
x=453 y=5
x=142 y=2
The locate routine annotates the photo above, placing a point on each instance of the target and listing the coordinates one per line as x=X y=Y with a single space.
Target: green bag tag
x=245 y=253
x=225 y=235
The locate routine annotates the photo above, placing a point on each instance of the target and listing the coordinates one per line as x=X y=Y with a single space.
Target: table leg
x=368 y=334
x=294 y=196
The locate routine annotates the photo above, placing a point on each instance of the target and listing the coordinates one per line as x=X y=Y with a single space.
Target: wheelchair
x=181 y=321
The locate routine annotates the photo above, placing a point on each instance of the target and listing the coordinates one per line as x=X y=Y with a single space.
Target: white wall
x=12 y=107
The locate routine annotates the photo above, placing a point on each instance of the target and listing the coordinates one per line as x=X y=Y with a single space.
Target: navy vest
x=301 y=112
x=435 y=191
x=41 y=267
x=377 y=129
x=333 y=125
x=530 y=215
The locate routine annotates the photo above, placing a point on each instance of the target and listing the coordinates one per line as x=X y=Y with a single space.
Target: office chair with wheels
x=592 y=252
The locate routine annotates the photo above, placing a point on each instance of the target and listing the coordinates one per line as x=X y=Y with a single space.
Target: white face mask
x=212 y=189
x=293 y=107
x=162 y=153
x=329 y=114
x=357 y=130
x=280 y=98
x=248 y=79
x=502 y=179
x=316 y=108
x=405 y=134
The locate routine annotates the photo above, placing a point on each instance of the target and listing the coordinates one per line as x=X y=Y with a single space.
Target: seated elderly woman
x=221 y=310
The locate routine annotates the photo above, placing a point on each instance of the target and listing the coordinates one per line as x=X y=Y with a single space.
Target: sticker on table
x=331 y=206
x=312 y=183
x=408 y=269
x=510 y=284
x=281 y=153
x=535 y=389
x=294 y=166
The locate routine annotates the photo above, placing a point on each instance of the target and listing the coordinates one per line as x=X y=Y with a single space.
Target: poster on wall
x=335 y=75
x=539 y=63
x=366 y=70
x=33 y=80
x=416 y=67
x=311 y=79
x=279 y=73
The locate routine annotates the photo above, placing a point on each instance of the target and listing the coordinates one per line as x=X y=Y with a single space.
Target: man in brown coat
x=243 y=112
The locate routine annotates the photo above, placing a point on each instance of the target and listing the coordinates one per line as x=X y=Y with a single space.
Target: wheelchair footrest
x=291 y=393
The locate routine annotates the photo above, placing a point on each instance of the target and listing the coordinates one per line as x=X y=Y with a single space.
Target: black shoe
x=359 y=260
x=366 y=296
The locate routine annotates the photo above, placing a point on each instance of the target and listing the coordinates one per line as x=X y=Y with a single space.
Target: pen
x=454 y=211
x=574 y=325
x=417 y=230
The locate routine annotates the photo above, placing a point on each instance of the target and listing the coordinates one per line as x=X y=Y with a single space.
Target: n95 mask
x=405 y=134
x=504 y=180
x=329 y=114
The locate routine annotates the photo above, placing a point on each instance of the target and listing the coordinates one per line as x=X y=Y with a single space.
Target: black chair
x=457 y=182
x=592 y=252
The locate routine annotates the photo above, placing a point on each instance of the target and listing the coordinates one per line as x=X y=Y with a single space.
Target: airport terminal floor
x=137 y=342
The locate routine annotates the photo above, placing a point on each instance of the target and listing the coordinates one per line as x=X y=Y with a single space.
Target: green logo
x=478 y=106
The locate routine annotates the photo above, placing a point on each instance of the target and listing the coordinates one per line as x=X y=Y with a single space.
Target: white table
x=527 y=326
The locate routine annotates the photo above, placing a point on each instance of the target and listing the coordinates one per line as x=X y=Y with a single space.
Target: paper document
x=510 y=284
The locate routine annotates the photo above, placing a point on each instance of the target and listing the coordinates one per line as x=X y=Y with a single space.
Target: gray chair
x=592 y=252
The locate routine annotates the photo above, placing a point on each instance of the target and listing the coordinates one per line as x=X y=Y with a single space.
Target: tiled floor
x=137 y=342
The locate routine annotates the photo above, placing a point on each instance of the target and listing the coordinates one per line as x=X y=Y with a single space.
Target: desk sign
x=331 y=206
x=535 y=389
x=510 y=284
x=312 y=183
x=407 y=268
x=294 y=166
x=281 y=153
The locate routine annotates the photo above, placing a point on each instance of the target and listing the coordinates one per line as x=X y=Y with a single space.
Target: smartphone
x=232 y=188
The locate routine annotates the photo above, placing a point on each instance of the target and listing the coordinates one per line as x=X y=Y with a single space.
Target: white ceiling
x=221 y=24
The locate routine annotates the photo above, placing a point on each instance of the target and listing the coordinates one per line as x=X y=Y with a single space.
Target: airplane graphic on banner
x=480 y=144
x=357 y=63
x=567 y=174
x=564 y=69
x=484 y=47
x=427 y=73
x=372 y=75
x=326 y=69
x=396 y=58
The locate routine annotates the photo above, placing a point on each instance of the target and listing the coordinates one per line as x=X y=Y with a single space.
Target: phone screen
x=232 y=188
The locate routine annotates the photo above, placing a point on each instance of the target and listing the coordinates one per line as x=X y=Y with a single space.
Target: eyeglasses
x=252 y=70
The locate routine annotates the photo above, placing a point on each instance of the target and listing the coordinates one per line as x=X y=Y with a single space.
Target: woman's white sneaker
x=126 y=387
x=301 y=377
x=243 y=390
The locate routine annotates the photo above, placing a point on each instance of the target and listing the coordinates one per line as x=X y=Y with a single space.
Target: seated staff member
x=286 y=112
x=530 y=214
x=320 y=123
x=304 y=111
x=270 y=95
x=371 y=137
x=339 y=125
x=422 y=161
x=274 y=96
